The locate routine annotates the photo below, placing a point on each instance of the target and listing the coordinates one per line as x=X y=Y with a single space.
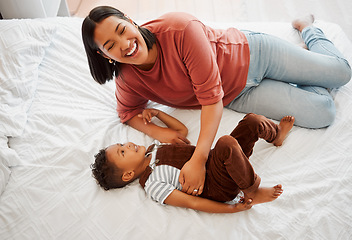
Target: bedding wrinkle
x=45 y=177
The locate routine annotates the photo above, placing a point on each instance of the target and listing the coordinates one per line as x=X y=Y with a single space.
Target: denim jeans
x=284 y=79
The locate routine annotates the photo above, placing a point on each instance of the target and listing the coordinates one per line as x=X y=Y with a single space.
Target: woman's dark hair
x=99 y=66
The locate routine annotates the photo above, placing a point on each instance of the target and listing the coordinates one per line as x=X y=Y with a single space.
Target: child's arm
x=181 y=199
x=169 y=121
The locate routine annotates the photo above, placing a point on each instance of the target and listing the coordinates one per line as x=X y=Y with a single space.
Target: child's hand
x=243 y=205
x=148 y=114
x=172 y=136
x=174 y=132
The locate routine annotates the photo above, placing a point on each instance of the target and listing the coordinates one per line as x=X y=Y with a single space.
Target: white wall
x=337 y=11
x=33 y=8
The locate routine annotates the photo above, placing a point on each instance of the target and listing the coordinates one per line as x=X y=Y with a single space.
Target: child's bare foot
x=285 y=126
x=303 y=22
x=265 y=194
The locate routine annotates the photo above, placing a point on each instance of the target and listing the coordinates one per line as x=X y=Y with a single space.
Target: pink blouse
x=196 y=65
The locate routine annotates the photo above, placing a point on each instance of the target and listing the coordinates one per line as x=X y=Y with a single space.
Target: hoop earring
x=111 y=61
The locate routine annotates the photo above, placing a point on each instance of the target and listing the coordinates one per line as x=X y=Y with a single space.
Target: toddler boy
x=228 y=170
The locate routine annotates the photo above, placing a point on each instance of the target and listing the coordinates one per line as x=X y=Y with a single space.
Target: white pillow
x=4 y=177
x=22 y=48
x=8 y=157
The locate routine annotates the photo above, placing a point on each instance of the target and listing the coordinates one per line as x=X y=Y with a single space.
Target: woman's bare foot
x=303 y=45
x=265 y=194
x=285 y=126
x=303 y=22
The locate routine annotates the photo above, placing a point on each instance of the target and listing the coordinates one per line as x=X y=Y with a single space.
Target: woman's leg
x=277 y=59
x=284 y=79
x=312 y=107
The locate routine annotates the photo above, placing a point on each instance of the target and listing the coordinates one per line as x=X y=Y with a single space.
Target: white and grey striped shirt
x=162 y=181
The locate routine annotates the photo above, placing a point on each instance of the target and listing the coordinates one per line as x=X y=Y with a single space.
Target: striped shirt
x=162 y=181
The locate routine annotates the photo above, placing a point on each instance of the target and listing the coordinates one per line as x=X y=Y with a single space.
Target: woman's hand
x=192 y=174
x=192 y=177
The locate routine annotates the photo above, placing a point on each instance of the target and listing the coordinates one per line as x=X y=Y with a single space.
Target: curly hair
x=107 y=174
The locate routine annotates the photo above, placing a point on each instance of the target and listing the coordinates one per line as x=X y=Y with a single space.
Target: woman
x=177 y=61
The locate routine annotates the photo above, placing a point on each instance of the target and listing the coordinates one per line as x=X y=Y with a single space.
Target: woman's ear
x=102 y=54
x=127 y=176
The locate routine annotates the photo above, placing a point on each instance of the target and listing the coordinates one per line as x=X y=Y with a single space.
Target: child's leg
x=253 y=126
x=229 y=169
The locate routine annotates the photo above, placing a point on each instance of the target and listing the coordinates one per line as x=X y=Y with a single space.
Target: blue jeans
x=284 y=79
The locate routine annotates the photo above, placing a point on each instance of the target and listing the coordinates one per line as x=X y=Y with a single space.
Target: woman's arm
x=181 y=199
x=192 y=174
x=175 y=132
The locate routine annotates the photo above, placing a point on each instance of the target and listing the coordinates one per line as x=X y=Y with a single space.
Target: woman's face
x=121 y=41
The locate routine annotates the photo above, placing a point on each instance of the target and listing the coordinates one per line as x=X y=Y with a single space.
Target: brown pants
x=228 y=167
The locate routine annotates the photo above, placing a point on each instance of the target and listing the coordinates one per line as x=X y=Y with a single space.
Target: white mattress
x=67 y=118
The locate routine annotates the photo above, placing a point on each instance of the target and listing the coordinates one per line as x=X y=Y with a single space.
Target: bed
x=54 y=118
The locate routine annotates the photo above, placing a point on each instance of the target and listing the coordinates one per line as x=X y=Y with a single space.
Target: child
x=228 y=170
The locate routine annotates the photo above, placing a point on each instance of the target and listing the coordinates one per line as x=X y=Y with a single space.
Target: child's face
x=128 y=156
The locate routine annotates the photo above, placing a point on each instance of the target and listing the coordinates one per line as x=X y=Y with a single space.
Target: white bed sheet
x=52 y=195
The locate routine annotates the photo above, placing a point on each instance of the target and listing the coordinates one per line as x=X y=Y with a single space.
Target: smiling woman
x=178 y=61
x=106 y=28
